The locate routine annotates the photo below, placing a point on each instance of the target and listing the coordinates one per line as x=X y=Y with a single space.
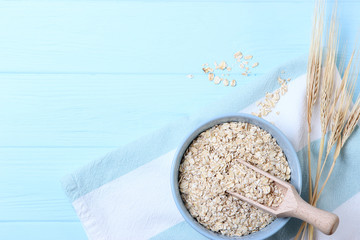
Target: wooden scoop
x=293 y=205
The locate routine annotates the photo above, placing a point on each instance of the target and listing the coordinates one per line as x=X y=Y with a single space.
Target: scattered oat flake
x=267 y=94
x=278 y=113
x=244 y=74
x=248 y=57
x=283 y=89
x=226 y=82
x=247 y=68
x=238 y=55
x=271 y=99
x=207 y=69
x=211 y=76
x=280 y=80
x=217 y=80
x=228 y=68
x=242 y=65
x=276 y=96
x=221 y=66
x=245 y=62
x=190 y=76
x=289 y=79
x=233 y=83
x=255 y=65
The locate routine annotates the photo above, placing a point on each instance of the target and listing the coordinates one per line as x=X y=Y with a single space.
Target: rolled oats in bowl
x=209 y=168
x=207 y=165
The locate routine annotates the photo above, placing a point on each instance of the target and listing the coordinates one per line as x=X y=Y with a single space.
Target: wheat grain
x=329 y=75
x=336 y=128
x=314 y=63
x=354 y=118
x=354 y=115
x=344 y=92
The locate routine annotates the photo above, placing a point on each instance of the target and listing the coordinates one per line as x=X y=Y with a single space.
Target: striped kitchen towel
x=126 y=194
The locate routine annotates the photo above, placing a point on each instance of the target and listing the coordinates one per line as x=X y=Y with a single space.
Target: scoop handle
x=326 y=222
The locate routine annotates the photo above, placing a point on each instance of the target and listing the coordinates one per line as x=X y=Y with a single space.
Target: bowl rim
x=270 y=229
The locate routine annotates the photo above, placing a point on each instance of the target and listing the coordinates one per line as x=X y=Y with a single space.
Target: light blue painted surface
x=78 y=78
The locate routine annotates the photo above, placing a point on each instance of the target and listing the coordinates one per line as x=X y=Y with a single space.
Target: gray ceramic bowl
x=283 y=143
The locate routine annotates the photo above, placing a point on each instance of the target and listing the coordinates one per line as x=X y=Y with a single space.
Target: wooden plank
x=42 y=231
x=30 y=182
x=97 y=110
x=125 y=37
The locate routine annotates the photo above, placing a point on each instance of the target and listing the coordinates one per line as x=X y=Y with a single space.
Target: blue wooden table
x=80 y=78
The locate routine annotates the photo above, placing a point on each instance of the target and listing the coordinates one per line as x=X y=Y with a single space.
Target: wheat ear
x=339 y=121
x=327 y=85
x=313 y=74
x=354 y=118
x=354 y=115
x=313 y=79
x=339 y=115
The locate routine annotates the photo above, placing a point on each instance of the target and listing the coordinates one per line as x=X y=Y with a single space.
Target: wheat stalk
x=313 y=81
x=354 y=115
x=334 y=108
x=339 y=121
x=327 y=85
x=354 y=118
x=336 y=130
x=339 y=114
x=313 y=73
